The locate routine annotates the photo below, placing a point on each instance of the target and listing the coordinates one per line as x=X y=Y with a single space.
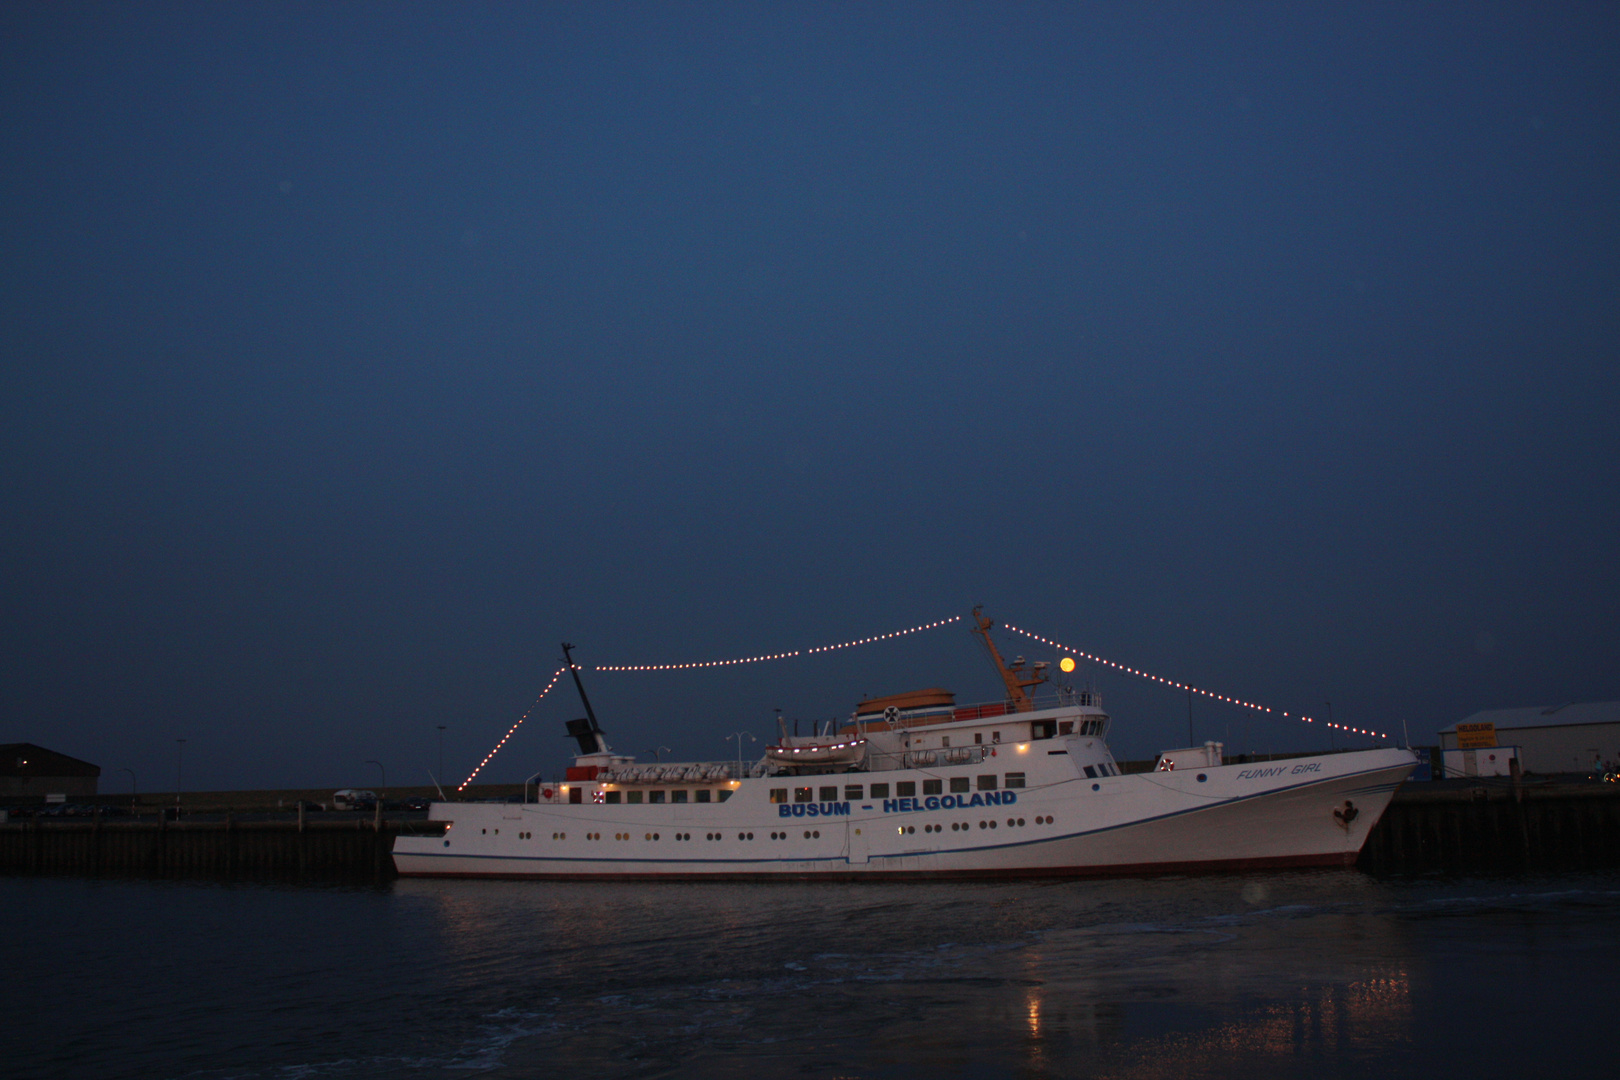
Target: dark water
x=1328 y=974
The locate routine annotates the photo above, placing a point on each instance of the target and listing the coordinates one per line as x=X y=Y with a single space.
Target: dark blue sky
x=355 y=355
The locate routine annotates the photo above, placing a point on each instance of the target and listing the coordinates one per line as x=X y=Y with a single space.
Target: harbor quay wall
x=1496 y=828
x=358 y=850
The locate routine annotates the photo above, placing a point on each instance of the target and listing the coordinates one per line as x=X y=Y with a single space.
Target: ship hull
x=1220 y=818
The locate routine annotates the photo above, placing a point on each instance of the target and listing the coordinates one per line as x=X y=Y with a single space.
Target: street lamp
x=132 y=793
x=384 y=776
x=739 y=737
x=179 y=762
x=658 y=752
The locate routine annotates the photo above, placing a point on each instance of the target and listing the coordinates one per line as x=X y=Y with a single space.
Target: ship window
x=677 y=796
x=576 y=795
x=1065 y=727
x=880 y=791
x=705 y=796
x=655 y=796
x=932 y=787
x=904 y=788
x=959 y=783
x=633 y=796
x=725 y=793
x=978 y=736
x=987 y=783
x=829 y=794
x=1014 y=779
x=778 y=794
x=1090 y=772
x=854 y=791
x=995 y=736
x=946 y=741
x=802 y=794
x=613 y=797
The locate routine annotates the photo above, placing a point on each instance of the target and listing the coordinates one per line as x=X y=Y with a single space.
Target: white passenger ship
x=917 y=786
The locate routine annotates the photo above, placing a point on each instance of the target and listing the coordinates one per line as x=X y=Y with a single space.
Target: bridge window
x=829 y=794
x=932 y=787
x=959 y=783
x=677 y=796
x=802 y=794
x=705 y=795
x=1014 y=779
x=1065 y=727
x=655 y=796
x=613 y=797
x=633 y=796
x=880 y=791
x=987 y=783
x=725 y=793
x=778 y=794
x=905 y=788
x=853 y=791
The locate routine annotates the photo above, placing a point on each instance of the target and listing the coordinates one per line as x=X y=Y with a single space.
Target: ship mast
x=586 y=731
x=1013 y=677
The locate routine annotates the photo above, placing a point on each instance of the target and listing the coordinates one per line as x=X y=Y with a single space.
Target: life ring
x=891 y=714
x=992 y=751
x=546 y=793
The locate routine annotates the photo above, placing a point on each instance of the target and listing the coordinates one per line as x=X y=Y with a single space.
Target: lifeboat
x=818 y=750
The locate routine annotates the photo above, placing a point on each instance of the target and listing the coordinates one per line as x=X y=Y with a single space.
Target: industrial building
x=1572 y=738
x=32 y=772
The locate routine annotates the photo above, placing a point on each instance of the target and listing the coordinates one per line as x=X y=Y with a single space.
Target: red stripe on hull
x=1212 y=866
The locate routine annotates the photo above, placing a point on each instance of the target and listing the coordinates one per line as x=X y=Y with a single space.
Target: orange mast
x=1017 y=686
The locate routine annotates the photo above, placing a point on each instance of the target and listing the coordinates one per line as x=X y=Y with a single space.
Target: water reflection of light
x=1033 y=1010
x=1309 y=1023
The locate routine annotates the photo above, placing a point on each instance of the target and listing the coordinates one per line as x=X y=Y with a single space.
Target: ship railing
x=681 y=772
x=949 y=755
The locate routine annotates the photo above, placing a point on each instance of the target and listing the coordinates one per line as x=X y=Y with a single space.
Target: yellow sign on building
x=1476 y=736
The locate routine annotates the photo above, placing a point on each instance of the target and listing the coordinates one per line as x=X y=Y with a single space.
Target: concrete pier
x=358 y=850
x=1496 y=828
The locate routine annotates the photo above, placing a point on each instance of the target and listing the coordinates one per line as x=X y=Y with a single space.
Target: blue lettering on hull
x=826 y=809
x=950 y=802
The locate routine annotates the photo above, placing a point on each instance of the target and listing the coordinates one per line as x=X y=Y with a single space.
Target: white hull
x=1062 y=823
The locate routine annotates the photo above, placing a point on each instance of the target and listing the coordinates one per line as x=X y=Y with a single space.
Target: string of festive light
x=704 y=664
x=1183 y=686
x=779 y=655
x=513 y=730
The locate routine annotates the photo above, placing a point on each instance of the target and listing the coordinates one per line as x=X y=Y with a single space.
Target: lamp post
x=179 y=768
x=384 y=777
x=658 y=752
x=739 y=737
x=132 y=789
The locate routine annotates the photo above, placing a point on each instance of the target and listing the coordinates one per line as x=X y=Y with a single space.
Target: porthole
x=992 y=824
x=447 y=843
x=750 y=836
x=1020 y=822
x=1202 y=778
x=1096 y=787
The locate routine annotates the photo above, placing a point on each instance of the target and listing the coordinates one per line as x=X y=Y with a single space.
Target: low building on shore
x=29 y=772
x=1572 y=738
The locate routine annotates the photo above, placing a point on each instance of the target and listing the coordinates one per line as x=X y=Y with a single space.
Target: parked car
x=354 y=799
x=415 y=802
